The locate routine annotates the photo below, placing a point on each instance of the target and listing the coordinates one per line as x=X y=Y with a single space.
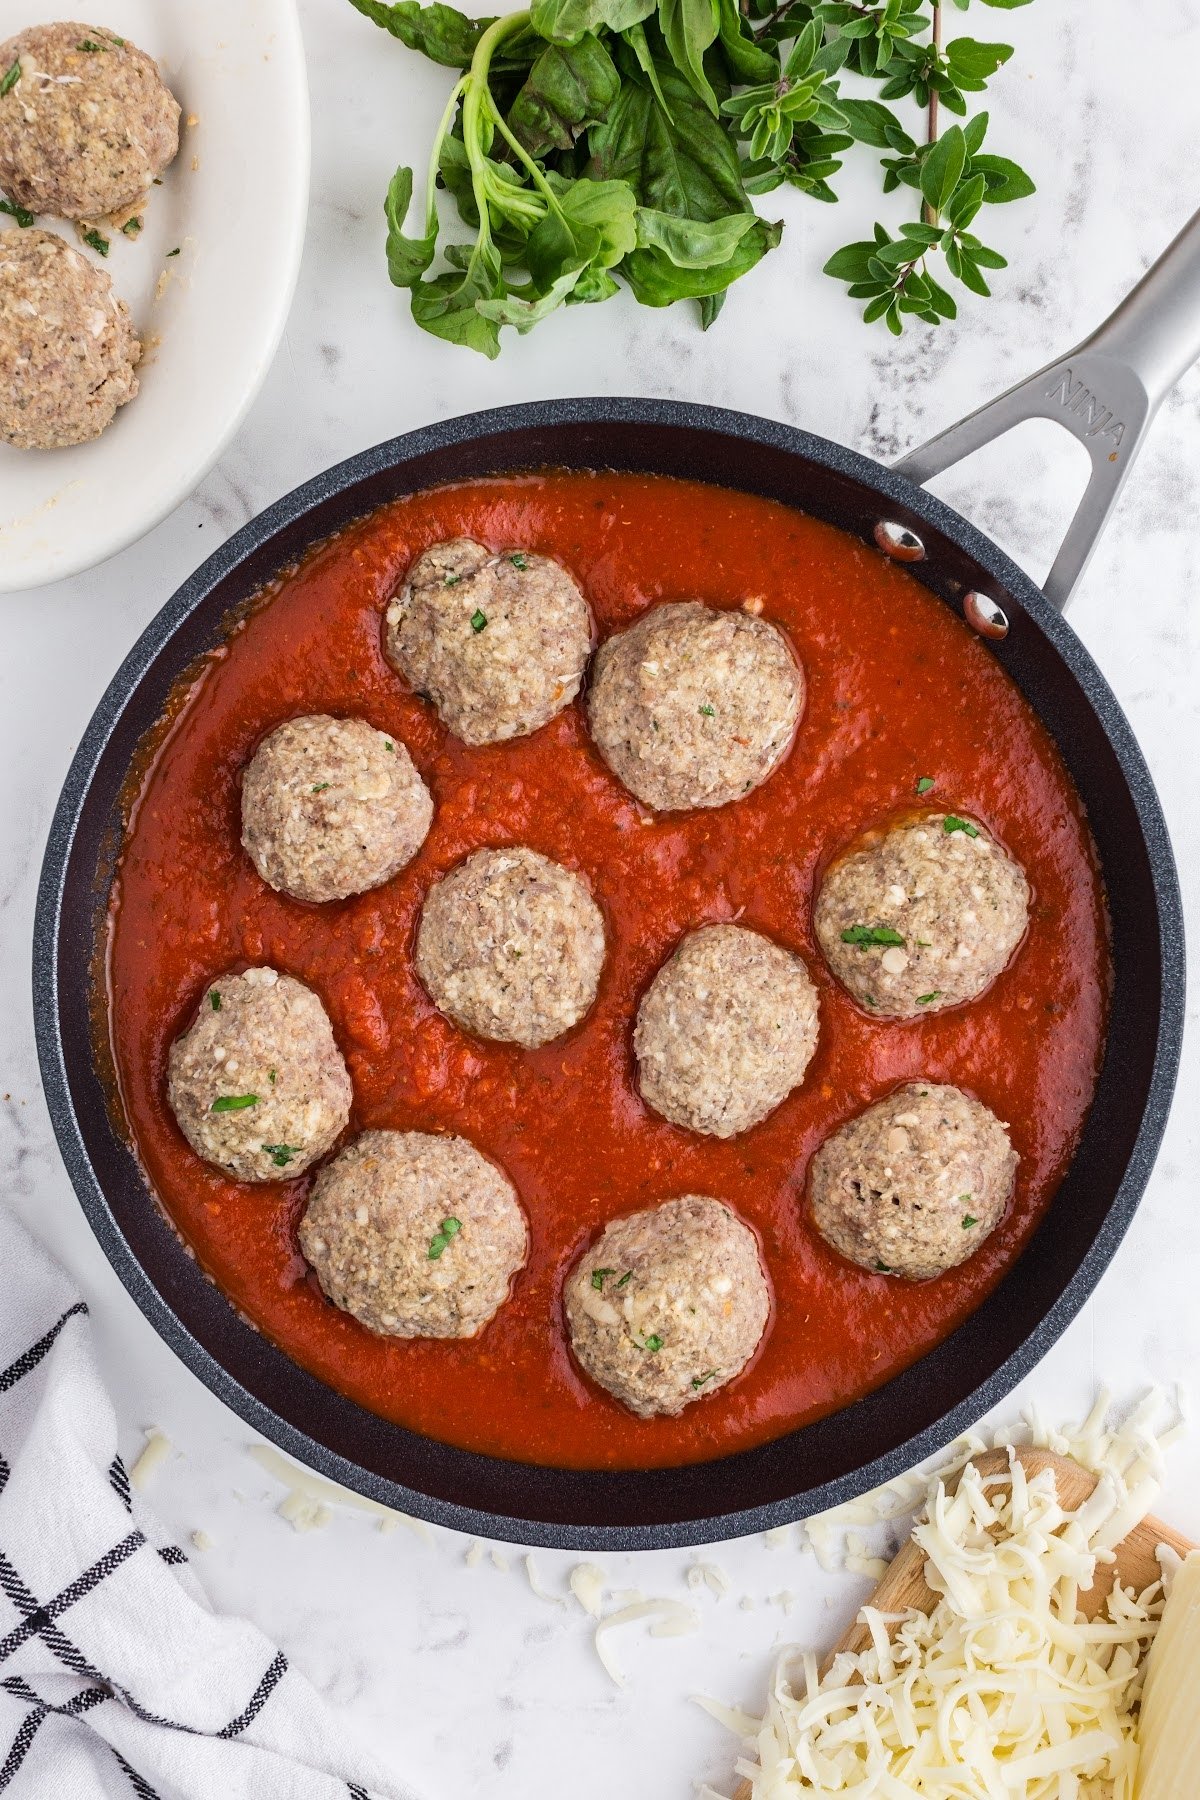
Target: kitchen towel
x=116 y=1677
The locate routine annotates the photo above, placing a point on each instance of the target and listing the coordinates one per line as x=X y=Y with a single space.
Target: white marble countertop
x=462 y=1676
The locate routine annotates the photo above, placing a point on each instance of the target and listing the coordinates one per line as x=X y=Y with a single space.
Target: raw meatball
x=87 y=125
x=417 y=1236
x=332 y=807
x=725 y=1031
x=915 y=1184
x=694 y=707
x=669 y=1304
x=257 y=1083
x=498 y=643
x=67 y=347
x=923 y=916
x=511 y=946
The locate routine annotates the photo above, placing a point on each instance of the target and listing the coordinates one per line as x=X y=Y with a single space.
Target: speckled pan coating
x=915 y=1184
x=511 y=946
x=266 y=1035
x=83 y=132
x=960 y=903
x=67 y=345
x=499 y=642
x=725 y=1030
x=332 y=807
x=379 y=1209
x=693 y=706
x=668 y=1304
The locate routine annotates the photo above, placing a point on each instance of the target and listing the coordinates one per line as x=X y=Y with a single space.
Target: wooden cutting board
x=904 y=1589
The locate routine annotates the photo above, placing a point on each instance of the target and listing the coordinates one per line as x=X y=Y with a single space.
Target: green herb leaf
x=566 y=21
x=90 y=45
x=710 y=712
x=941 y=169
x=21 y=214
x=968 y=1222
x=862 y=935
x=518 y=561
x=132 y=227
x=653 y=1342
x=10 y=78
x=628 y=1276
x=451 y=1227
x=174 y=252
x=282 y=1154
x=441 y=33
x=599 y=1276
x=698 y=1381
x=318 y=787
x=233 y=1103
x=928 y=999
x=214 y=999
x=952 y=823
x=883 y=1268
x=478 y=621
x=924 y=783
x=569 y=87
x=98 y=242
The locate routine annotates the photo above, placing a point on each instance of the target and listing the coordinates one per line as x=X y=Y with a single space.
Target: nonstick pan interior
x=825 y=1462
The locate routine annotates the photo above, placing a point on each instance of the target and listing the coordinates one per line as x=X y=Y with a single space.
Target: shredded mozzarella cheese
x=157 y=1448
x=671 y=1619
x=1003 y=1691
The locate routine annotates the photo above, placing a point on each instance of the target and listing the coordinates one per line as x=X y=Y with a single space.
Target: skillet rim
x=291 y=509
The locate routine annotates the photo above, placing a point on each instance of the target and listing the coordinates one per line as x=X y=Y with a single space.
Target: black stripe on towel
x=118 y=1480
x=19 y=1749
x=259 y=1698
x=171 y=1553
x=33 y=1356
x=138 y=1783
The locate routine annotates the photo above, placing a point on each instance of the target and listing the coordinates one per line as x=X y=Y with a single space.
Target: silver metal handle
x=1105 y=392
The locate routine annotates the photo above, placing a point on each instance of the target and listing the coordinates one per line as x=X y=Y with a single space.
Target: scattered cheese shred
x=710 y=1575
x=157 y=1448
x=474 y=1555
x=307 y=1505
x=535 y=1584
x=587 y=1585
x=671 y=1619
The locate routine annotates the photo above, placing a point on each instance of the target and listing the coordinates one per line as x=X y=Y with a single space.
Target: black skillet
x=1105 y=392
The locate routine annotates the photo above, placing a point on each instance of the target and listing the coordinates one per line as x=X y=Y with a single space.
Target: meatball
x=669 y=1304
x=725 y=1030
x=922 y=916
x=511 y=945
x=694 y=707
x=332 y=807
x=67 y=346
x=499 y=643
x=87 y=125
x=915 y=1184
x=417 y=1236
x=257 y=1083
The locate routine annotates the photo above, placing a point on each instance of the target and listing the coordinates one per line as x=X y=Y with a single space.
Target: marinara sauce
x=898 y=689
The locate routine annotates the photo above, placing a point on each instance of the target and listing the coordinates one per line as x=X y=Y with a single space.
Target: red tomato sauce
x=898 y=688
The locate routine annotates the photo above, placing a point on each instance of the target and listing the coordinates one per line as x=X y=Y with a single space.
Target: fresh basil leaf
x=689 y=27
x=746 y=60
x=569 y=87
x=675 y=156
x=566 y=21
x=439 y=32
x=657 y=281
x=407 y=257
x=692 y=243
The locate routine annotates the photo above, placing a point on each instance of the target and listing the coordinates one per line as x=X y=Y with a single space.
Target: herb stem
x=929 y=212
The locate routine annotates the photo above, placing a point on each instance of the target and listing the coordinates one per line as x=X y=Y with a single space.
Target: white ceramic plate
x=233 y=203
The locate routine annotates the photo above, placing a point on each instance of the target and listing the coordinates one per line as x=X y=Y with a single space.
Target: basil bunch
x=586 y=139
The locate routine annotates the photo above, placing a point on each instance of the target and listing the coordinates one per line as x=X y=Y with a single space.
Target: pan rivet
x=898 y=541
x=982 y=612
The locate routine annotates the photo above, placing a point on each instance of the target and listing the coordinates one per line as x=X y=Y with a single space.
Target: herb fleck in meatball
x=257 y=1083
x=915 y=1184
x=416 y=1235
x=669 y=1304
x=332 y=807
x=87 y=123
x=499 y=643
x=923 y=915
x=511 y=946
x=67 y=347
x=725 y=1030
x=692 y=706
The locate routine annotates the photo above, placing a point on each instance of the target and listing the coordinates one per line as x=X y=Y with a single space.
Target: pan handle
x=1106 y=392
